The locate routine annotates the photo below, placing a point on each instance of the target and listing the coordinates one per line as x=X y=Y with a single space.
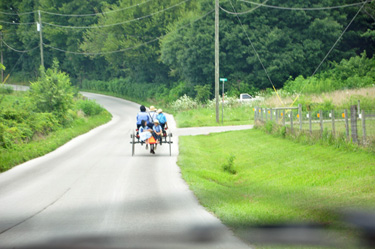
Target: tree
x=52 y=92
x=136 y=39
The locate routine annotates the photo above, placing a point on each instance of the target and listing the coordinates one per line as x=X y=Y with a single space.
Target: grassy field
x=241 y=115
x=274 y=180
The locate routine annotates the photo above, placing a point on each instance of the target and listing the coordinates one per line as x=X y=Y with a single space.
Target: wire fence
x=355 y=125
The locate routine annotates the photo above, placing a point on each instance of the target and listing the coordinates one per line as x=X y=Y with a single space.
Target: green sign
x=223 y=79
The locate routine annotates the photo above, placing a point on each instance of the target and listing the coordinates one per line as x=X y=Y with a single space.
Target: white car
x=245 y=97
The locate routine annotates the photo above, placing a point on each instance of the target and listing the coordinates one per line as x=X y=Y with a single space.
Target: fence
x=356 y=126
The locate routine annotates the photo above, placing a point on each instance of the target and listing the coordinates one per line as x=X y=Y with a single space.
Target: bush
x=6 y=90
x=357 y=72
x=89 y=107
x=269 y=127
x=202 y=93
x=229 y=165
x=184 y=103
x=52 y=92
x=43 y=123
x=10 y=136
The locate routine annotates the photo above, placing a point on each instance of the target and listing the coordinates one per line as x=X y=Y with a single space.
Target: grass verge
x=240 y=115
x=274 y=180
x=24 y=152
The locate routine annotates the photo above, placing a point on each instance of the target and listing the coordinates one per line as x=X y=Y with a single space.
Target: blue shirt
x=162 y=119
x=157 y=128
x=142 y=116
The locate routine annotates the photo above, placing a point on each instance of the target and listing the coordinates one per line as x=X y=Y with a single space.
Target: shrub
x=202 y=93
x=6 y=90
x=52 y=92
x=356 y=72
x=229 y=165
x=184 y=103
x=43 y=123
x=269 y=127
x=89 y=107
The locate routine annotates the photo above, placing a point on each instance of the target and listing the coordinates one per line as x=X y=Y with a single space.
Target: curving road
x=91 y=193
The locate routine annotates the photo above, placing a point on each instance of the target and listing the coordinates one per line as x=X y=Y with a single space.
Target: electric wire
x=17 y=14
x=128 y=48
x=95 y=14
x=334 y=45
x=115 y=24
x=242 y=13
x=58 y=14
x=373 y=18
x=19 y=51
x=17 y=23
x=255 y=51
x=308 y=9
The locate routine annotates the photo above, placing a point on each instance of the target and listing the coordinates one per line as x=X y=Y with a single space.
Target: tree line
x=169 y=44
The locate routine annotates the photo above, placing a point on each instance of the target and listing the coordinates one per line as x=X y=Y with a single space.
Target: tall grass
x=276 y=180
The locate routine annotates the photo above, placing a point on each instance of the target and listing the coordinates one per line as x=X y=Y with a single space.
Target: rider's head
x=143 y=123
x=143 y=108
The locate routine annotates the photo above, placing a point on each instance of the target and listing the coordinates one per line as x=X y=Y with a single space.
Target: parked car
x=245 y=97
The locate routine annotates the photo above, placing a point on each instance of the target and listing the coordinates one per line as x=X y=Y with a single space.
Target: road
x=91 y=193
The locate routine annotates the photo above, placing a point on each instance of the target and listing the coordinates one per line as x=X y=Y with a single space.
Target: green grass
x=24 y=152
x=242 y=115
x=277 y=180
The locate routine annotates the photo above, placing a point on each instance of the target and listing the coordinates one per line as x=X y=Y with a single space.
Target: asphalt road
x=91 y=193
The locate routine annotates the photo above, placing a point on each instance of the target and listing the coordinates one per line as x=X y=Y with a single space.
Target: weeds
x=229 y=165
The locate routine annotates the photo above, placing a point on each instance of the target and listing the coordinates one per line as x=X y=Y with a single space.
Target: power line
x=19 y=51
x=17 y=14
x=101 y=53
x=256 y=53
x=95 y=14
x=58 y=14
x=129 y=48
x=245 y=12
x=334 y=45
x=115 y=24
x=17 y=23
x=308 y=9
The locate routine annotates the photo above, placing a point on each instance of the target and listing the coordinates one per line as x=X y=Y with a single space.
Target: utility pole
x=41 y=39
x=1 y=60
x=217 y=59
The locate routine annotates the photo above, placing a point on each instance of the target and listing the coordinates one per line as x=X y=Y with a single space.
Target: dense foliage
x=49 y=105
x=160 y=42
x=357 y=72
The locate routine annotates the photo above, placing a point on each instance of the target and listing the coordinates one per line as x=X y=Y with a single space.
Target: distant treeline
x=158 y=43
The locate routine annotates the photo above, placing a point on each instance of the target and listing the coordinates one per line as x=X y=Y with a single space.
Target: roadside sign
x=223 y=79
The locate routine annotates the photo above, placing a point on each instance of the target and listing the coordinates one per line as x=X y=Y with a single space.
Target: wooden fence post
x=333 y=123
x=363 y=126
x=353 y=123
x=271 y=114
x=277 y=116
x=359 y=107
x=321 y=122
x=346 y=123
x=300 y=116
x=291 y=122
x=310 y=123
x=284 y=117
